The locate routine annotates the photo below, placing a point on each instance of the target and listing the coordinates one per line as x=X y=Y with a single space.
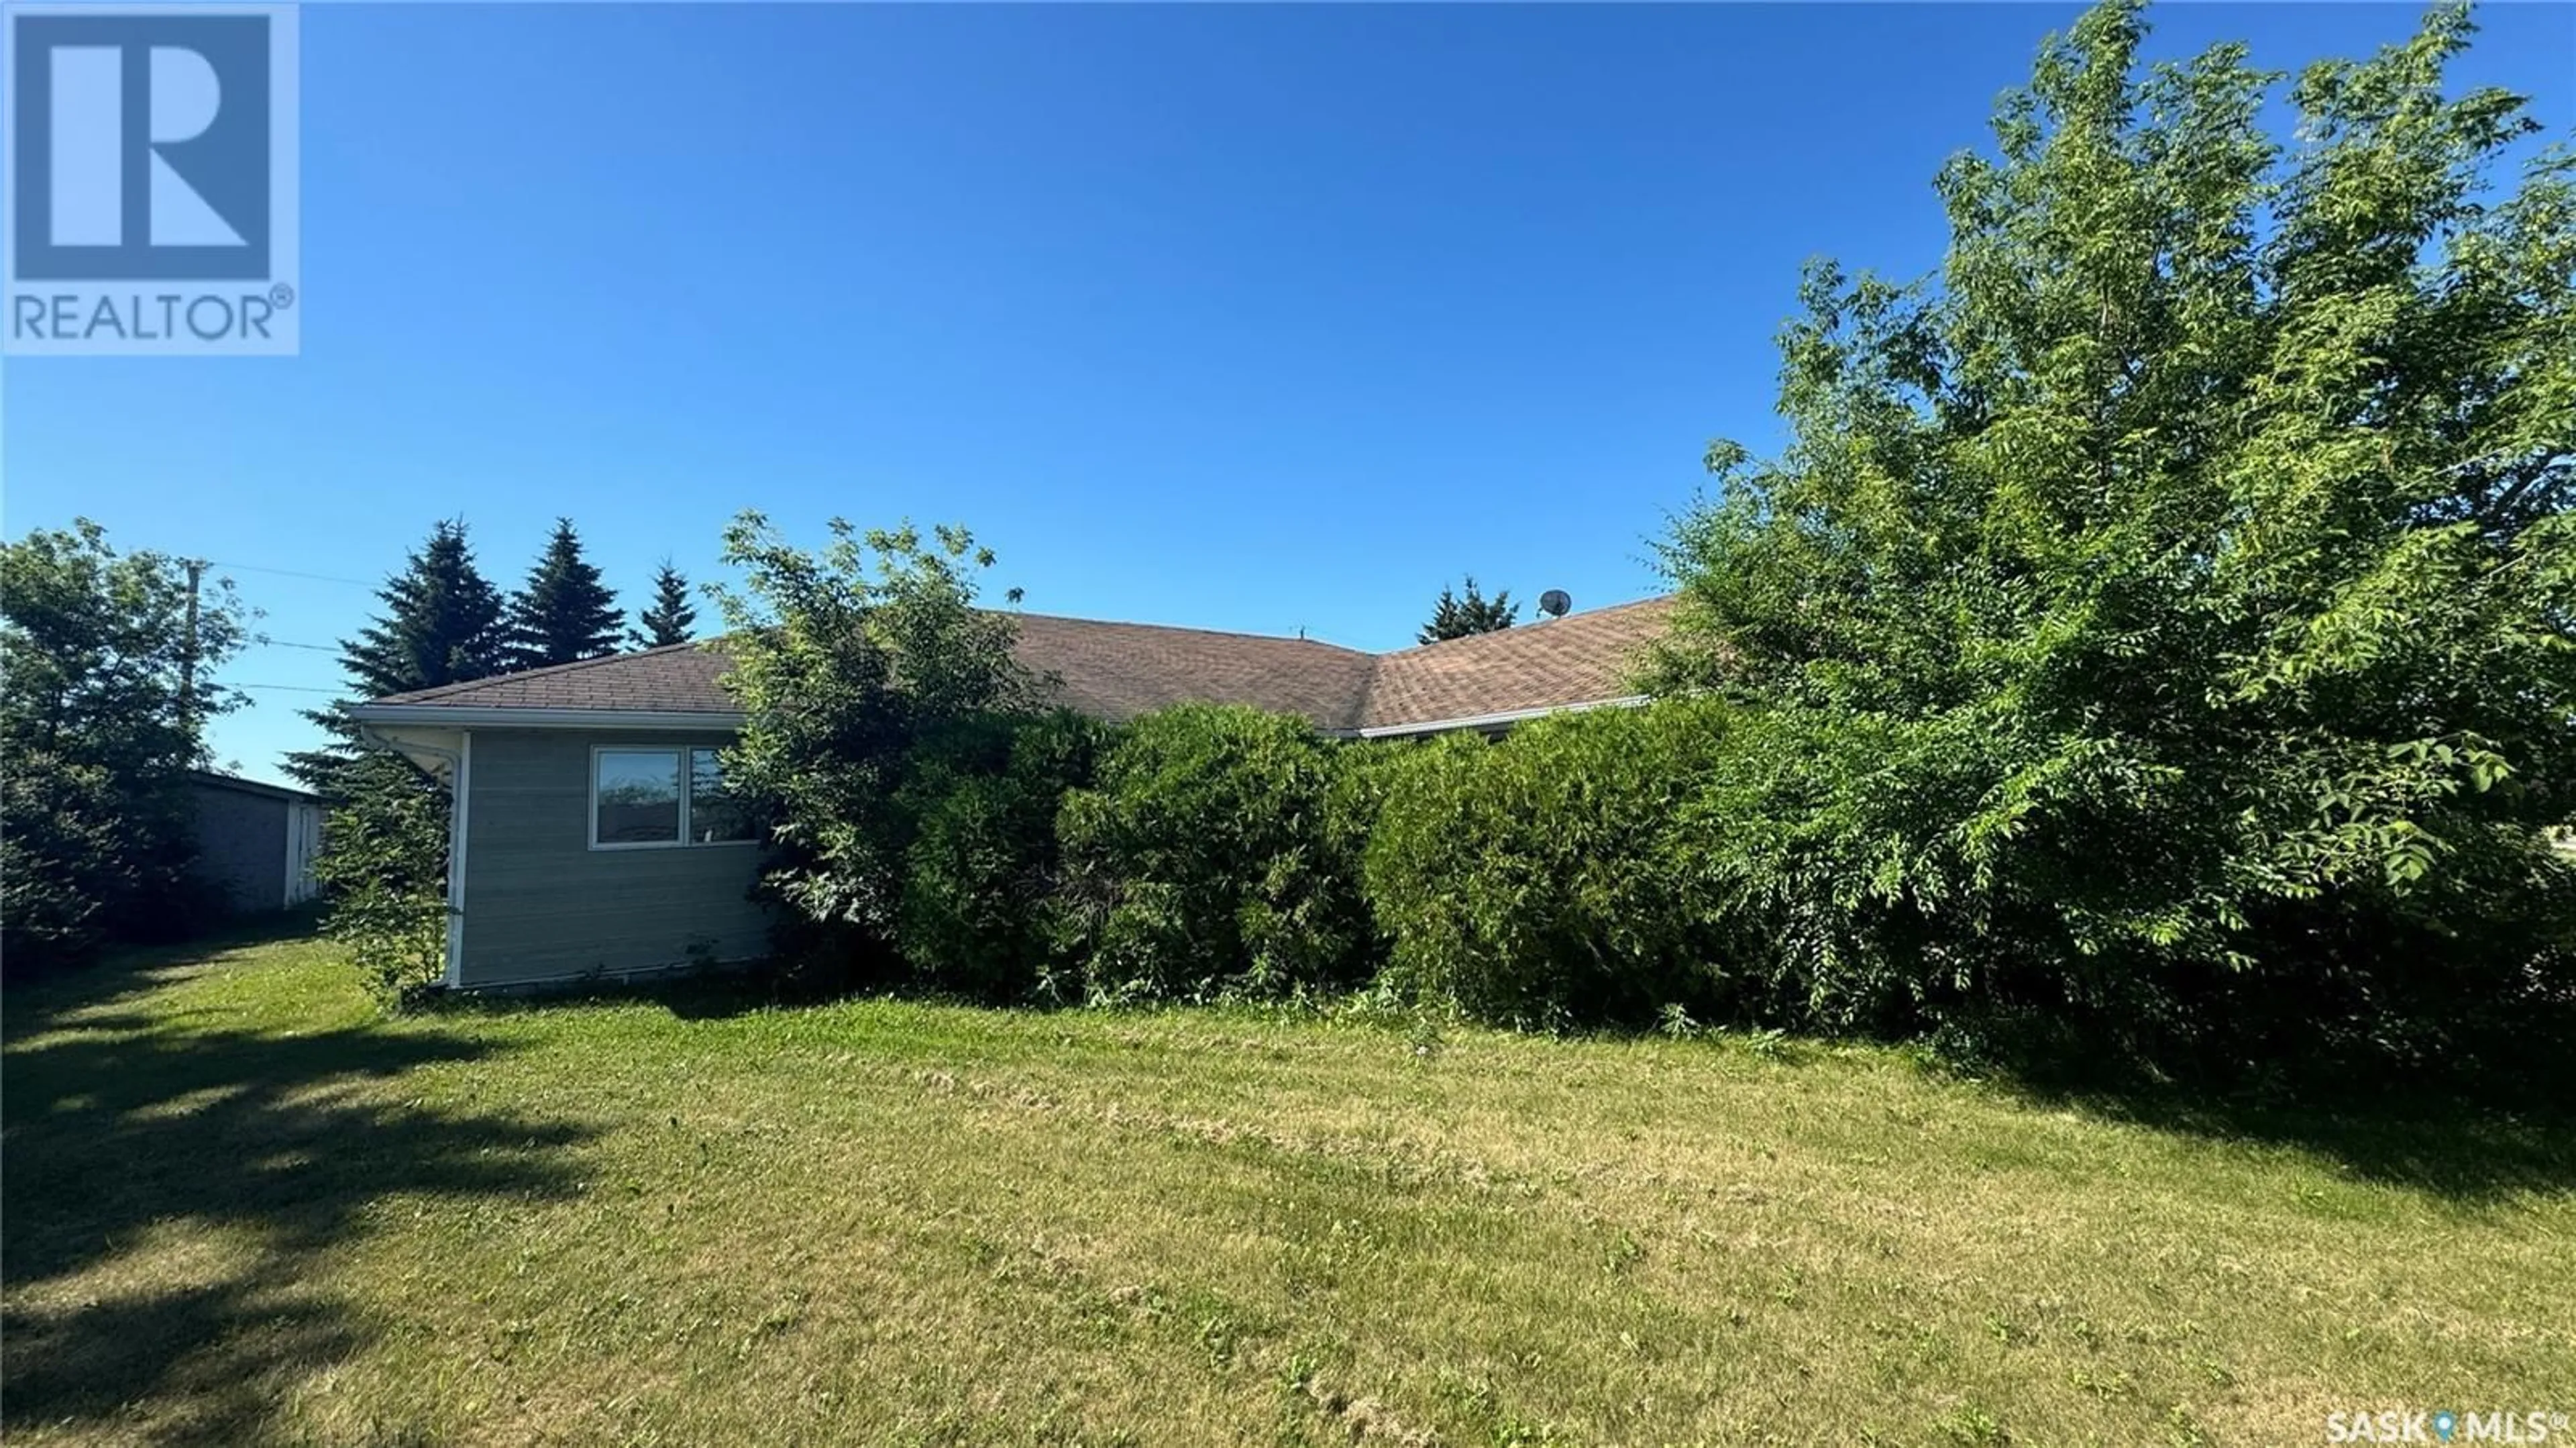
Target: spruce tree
x=441 y=624
x=670 y=617
x=1455 y=617
x=383 y=864
x=564 y=614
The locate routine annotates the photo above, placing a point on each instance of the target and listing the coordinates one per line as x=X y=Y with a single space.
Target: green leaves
x=385 y=874
x=1216 y=855
x=2194 y=559
x=110 y=674
x=978 y=907
x=850 y=664
x=1549 y=878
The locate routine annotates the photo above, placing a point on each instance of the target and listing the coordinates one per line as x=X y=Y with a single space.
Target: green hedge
x=1855 y=860
x=1758 y=867
x=1216 y=857
x=980 y=871
x=1537 y=880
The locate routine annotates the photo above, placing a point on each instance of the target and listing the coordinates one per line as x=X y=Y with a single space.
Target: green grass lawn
x=240 y=1207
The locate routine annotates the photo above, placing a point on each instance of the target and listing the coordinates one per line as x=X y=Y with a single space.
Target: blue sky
x=1249 y=318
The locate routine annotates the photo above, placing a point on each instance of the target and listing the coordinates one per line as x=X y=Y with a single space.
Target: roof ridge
x=1216 y=633
x=410 y=696
x=1393 y=674
x=1500 y=634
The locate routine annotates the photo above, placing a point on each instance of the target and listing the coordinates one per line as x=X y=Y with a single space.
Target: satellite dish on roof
x=1555 y=602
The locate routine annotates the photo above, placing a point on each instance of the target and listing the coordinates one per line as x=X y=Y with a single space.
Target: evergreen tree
x=383 y=864
x=442 y=624
x=565 y=614
x=1454 y=617
x=670 y=617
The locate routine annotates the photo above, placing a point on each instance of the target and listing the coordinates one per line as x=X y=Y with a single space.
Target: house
x=255 y=842
x=590 y=831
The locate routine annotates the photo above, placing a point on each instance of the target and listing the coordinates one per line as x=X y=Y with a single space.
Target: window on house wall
x=716 y=817
x=640 y=798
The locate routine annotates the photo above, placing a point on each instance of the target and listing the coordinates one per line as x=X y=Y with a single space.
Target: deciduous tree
x=110 y=661
x=846 y=662
x=2166 y=616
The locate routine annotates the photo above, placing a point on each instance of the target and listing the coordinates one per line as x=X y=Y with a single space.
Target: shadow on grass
x=2456 y=1149
x=2447 y=1147
x=32 y=1001
x=694 y=995
x=171 y=1190
x=704 y=993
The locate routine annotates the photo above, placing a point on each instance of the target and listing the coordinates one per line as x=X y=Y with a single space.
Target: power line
x=268 y=643
x=288 y=688
x=293 y=573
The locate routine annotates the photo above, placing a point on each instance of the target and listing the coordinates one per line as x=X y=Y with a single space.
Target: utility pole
x=188 y=660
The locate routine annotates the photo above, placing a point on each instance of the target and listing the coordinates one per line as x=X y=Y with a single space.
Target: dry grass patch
x=239 y=1208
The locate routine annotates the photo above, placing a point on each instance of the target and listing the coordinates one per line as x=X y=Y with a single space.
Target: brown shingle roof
x=1120 y=670
x=676 y=679
x=1582 y=658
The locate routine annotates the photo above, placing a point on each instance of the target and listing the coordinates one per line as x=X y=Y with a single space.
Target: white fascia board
x=1492 y=721
x=435 y=751
x=458 y=716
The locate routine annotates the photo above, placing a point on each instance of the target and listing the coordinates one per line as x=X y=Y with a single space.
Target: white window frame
x=688 y=796
x=687 y=778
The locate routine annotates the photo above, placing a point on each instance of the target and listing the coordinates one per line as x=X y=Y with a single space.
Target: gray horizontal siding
x=241 y=847
x=540 y=904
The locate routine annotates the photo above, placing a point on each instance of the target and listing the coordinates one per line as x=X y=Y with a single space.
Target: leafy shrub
x=849 y=663
x=91 y=856
x=1820 y=839
x=1535 y=880
x=102 y=717
x=385 y=879
x=1211 y=860
x=2155 y=637
x=980 y=874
